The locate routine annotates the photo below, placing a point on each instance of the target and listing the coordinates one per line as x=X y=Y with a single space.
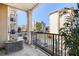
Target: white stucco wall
x=56 y=22
x=53 y=22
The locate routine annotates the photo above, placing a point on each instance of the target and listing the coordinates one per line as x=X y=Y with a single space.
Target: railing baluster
x=47 y=42
x=57 y=43
x=35 y=40
x=53 y=44
x=58 y=46
x=65 y=50
x=31 y=37
x=50 y=43
x=61 y=46
x=45 y=39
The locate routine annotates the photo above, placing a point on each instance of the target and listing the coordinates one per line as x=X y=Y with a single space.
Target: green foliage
x=72 y=41
x=63 y=11
x=71 y=37
x=38 y=26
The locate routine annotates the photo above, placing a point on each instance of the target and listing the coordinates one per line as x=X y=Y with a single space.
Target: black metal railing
x=51 y=43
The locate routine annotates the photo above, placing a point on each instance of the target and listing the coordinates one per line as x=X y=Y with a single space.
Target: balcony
x=42 y=44
x=39 y=43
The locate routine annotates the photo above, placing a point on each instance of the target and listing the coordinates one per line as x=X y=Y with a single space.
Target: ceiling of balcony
x=23 y=6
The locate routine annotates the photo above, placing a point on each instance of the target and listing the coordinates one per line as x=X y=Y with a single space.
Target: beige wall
x=3 y=23
x=53 y=23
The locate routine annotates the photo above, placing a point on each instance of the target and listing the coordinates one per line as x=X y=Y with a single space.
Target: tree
x=38 y=26
x=70 y=31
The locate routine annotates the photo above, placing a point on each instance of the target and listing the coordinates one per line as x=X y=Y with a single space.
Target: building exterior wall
x=3 y=23
x=53 y=23
x=56 y=21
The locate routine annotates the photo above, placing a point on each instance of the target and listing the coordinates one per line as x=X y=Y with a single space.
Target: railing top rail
x=23 y=31
x=46 y=33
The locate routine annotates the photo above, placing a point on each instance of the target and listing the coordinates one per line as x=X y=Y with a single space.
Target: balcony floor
x=26 y=51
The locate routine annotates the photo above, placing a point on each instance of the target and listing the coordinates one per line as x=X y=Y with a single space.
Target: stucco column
x=29 y=24
x=3 y=23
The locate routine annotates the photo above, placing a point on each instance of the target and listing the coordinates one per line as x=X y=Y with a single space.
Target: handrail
x=46 y=33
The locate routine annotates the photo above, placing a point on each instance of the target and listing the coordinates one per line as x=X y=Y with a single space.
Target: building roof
x=58 y=11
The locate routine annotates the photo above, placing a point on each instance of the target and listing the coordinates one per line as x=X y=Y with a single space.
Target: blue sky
x=22 y=18
x=42 y=11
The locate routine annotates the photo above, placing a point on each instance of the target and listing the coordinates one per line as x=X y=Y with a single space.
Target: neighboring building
x=57 y=19
x=12 y=22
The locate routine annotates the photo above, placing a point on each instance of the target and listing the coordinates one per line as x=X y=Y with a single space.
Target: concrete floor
x=27 y=51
